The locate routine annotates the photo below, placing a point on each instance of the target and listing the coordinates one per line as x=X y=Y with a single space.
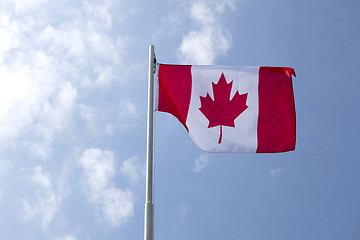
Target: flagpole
x=149 y=207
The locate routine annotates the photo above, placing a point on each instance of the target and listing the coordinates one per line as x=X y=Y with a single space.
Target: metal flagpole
x=149 y=207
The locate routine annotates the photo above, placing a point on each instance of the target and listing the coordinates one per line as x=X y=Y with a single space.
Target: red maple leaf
x=222 y=111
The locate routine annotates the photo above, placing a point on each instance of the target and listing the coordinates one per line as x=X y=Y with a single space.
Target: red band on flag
x=277 y=121
x=175 y=90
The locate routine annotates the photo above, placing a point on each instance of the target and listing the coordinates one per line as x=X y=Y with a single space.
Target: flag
x=228 y=108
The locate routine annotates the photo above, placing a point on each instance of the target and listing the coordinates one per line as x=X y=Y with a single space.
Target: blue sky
x=73 y=99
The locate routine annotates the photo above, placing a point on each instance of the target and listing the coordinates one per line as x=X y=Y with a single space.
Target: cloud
x=55 y=58
x=41 y=178
x=109 y=119
x=67 y=237
x=86 y=42
x=4 y=169
x=275 y=172
x=32 y=92
x=5 y=165
x=48 y=201
x=99 y=169
x=128 y=110
x=8 y=32
x=200 y=163
x=210 y=37
x=133 y=170
x=47 y=66
x=116 y=205
x=31 y=95
x=25 y=5
x=183 y=212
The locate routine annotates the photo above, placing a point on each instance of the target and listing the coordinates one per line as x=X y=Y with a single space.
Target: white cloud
x=51 y=60
x=46 y=64
x=41 y=178
x=8 y=33
x=92 y=117
x=23 y=6
x=109 y=119
x=55 y=115
x=128 y=110
x=101 y=10
x=5 y=165
x=32 y=93
x=95 y=56
x=210 y=38
x=99 y=169
x=40 y=150
x=117 y=205
x=183 y=212
x=133 y=170
x=67 y=237
x=200 y=163
x=221 y=6
x=275 y=172
x=48 y=201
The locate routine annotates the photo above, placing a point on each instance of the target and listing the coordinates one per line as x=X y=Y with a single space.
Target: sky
x=73 y=107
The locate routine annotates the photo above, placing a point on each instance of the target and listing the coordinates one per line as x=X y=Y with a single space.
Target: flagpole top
x=152 y=55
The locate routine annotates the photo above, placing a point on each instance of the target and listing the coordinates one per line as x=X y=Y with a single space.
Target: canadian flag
x=230 y=109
